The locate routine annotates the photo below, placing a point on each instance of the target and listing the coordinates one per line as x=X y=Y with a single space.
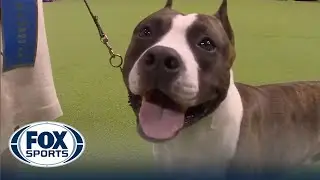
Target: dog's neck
x=212 y=140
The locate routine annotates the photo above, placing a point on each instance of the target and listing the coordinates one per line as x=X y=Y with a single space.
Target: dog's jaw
x=212 y=141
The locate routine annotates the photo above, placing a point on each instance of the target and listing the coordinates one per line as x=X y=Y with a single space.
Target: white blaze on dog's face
x=174 y=63
x=185 y=86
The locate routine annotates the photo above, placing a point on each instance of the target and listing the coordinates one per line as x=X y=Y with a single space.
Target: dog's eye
x=207 y=44
x=145 y=32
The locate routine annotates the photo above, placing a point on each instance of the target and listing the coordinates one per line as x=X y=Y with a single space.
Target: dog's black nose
x=161 y=59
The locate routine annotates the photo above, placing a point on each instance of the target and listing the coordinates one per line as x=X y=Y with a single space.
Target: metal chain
x=105 y=40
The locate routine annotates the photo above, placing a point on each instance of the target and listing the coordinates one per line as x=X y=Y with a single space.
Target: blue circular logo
x=47 y=144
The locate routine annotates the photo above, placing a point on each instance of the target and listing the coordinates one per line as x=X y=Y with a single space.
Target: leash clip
x=113 y=55
x=105 y=40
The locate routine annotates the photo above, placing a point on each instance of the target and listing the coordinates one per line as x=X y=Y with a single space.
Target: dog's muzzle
x=159 y=66
x=160 y=117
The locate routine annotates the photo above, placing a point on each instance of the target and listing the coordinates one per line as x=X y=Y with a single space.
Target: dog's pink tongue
x=158 y=122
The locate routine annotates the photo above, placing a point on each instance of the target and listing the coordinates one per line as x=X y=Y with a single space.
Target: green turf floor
x=275 y=41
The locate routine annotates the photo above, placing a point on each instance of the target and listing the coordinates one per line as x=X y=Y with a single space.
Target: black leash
x=105 y=40
x=134 y=100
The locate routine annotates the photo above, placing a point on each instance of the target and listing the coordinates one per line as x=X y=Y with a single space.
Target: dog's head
x=175 y=64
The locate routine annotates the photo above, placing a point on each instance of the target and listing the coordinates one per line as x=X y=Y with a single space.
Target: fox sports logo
x=47 y=144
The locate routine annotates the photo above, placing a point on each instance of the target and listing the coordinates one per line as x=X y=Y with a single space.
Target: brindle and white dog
x=178 y=70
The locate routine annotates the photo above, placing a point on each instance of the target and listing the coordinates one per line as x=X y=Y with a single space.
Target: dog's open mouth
x=160 y=117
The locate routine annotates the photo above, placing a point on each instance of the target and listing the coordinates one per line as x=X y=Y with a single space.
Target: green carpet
x=275 y=41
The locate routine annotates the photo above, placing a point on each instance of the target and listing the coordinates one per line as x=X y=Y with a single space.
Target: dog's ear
x=222 y=15
x=168 y=4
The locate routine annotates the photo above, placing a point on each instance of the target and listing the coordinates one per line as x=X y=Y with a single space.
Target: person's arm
x=28 y=94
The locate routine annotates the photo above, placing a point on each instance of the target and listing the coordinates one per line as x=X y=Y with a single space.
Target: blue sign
x=20 y=33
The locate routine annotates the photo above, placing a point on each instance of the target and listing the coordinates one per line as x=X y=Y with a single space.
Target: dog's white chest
x=197 y=146
x=211 y=141
x=191 y=148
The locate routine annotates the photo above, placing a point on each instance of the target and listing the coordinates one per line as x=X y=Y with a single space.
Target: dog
x=178 y=72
